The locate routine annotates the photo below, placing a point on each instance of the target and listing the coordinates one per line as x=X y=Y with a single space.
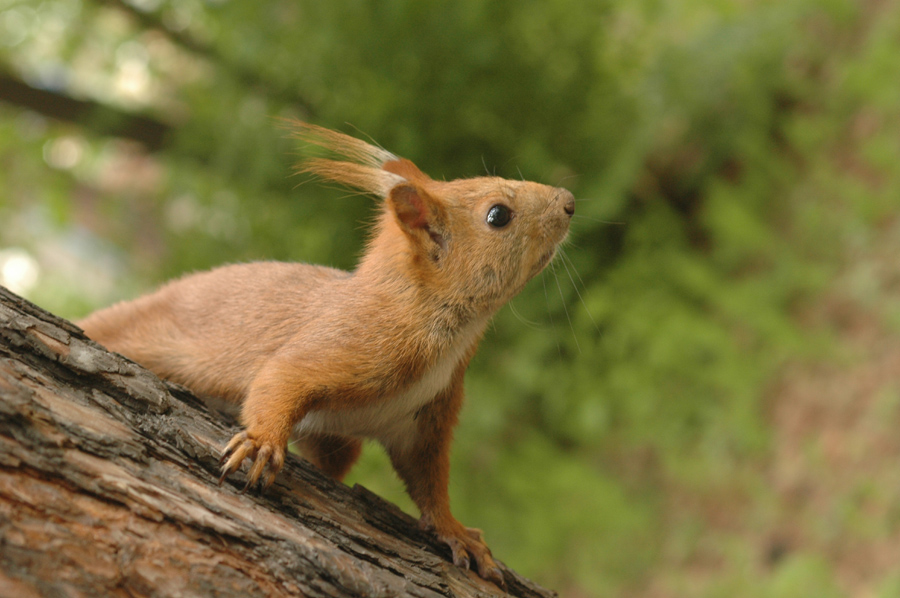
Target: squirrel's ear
x=417 y=212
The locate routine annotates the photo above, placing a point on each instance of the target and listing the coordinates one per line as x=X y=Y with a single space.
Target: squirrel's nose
x=569 y=206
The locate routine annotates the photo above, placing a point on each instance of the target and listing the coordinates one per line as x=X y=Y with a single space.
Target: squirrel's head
x=473 y=243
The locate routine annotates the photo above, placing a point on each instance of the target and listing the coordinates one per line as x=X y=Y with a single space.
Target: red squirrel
x=330 y=357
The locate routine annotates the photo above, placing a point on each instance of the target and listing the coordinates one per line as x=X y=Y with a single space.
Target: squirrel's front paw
x=265 y=454
x=466 y=542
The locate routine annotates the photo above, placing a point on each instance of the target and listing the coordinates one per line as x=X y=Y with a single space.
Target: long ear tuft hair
x=364 y=167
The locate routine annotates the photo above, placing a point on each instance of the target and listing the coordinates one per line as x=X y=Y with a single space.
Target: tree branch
x=108 y=486
x=249 y=77
x=100 y=118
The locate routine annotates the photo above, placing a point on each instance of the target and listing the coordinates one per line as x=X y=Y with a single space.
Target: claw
x=259 y=464
x=462 y=562
x=495 y=575
x=235 y=458
x=276 y=462
x=236 y=441
x=266 y=454
x=470 y=552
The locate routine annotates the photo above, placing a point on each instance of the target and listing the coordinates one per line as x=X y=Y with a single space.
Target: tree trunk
x=108 y=487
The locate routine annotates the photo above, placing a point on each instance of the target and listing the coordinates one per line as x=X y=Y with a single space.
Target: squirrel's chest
x=392 y=419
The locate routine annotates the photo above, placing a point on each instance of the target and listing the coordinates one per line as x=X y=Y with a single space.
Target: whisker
x=571 y=242
x=550 y=312
x=601 y=221
x=575 y=286
x=571 y=263
x=566 y=178
x=523 y=319
x=503 y=166
x=566 y=310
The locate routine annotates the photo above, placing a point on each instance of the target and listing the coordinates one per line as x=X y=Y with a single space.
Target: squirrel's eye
x=498 y=216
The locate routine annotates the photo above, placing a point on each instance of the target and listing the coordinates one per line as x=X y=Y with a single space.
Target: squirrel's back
x=199 y=329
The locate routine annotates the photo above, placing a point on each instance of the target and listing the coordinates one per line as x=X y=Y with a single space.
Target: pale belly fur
x=392 y=420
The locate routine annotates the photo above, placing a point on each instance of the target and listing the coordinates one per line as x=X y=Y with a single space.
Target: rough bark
x=108 y=487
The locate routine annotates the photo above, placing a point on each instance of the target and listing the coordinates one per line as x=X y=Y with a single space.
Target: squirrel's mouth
x=545 y=259
x=542 y=263
x=535 y=270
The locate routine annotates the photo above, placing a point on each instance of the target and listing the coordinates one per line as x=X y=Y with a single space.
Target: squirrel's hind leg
x=332 y=454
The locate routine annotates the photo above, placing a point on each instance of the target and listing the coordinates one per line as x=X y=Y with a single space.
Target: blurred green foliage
x=725 y=154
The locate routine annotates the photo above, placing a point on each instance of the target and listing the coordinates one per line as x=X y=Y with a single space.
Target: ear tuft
x=363 y=166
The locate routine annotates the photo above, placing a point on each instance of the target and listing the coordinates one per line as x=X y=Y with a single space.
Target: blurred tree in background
x=697 y=398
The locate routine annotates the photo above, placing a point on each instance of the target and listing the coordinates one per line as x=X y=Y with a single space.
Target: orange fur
x=332 y=357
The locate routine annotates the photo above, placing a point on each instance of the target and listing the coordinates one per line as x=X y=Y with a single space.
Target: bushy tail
x=365 y=167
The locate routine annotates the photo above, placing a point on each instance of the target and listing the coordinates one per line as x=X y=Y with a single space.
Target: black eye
x=498 y=216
